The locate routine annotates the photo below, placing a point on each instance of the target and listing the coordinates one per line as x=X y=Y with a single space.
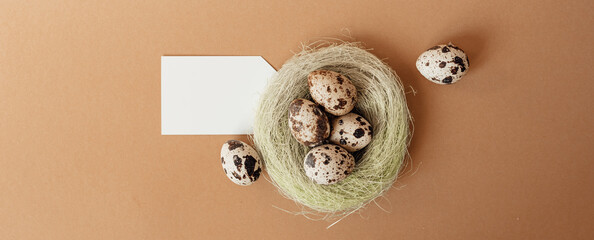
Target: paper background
x=506 y=153
x=211 y=95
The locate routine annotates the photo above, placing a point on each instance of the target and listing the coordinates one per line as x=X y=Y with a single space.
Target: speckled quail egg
x=335 y=92
x=308 y=123
x=328 y=164
x=351 y=131
x=241 y=162
x=443 y=64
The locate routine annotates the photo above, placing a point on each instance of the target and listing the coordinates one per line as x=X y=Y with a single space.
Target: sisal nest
x=380 y=100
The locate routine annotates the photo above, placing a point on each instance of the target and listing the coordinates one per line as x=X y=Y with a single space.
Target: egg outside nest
x=443 y=64
x=241 y=163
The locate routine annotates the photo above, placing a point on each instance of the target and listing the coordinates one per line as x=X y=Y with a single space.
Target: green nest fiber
x=380 y=100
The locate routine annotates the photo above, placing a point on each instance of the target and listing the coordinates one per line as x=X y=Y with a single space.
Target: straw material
x=381 y=101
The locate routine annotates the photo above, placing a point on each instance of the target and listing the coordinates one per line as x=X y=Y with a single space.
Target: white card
x=209 y=95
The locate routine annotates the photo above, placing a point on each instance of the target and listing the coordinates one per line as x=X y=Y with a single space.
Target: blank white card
x=208 y=95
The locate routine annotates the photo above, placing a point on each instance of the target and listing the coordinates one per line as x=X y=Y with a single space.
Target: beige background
x=506 y=153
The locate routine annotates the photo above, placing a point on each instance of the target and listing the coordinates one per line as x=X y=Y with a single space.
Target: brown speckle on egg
x=341 y=104
x=295 y=107
x=236 y=176
x=359 y=132
x=460 y=62
x=250 y=165
x=238 y=163
x=454 y=70
x=233 y=144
